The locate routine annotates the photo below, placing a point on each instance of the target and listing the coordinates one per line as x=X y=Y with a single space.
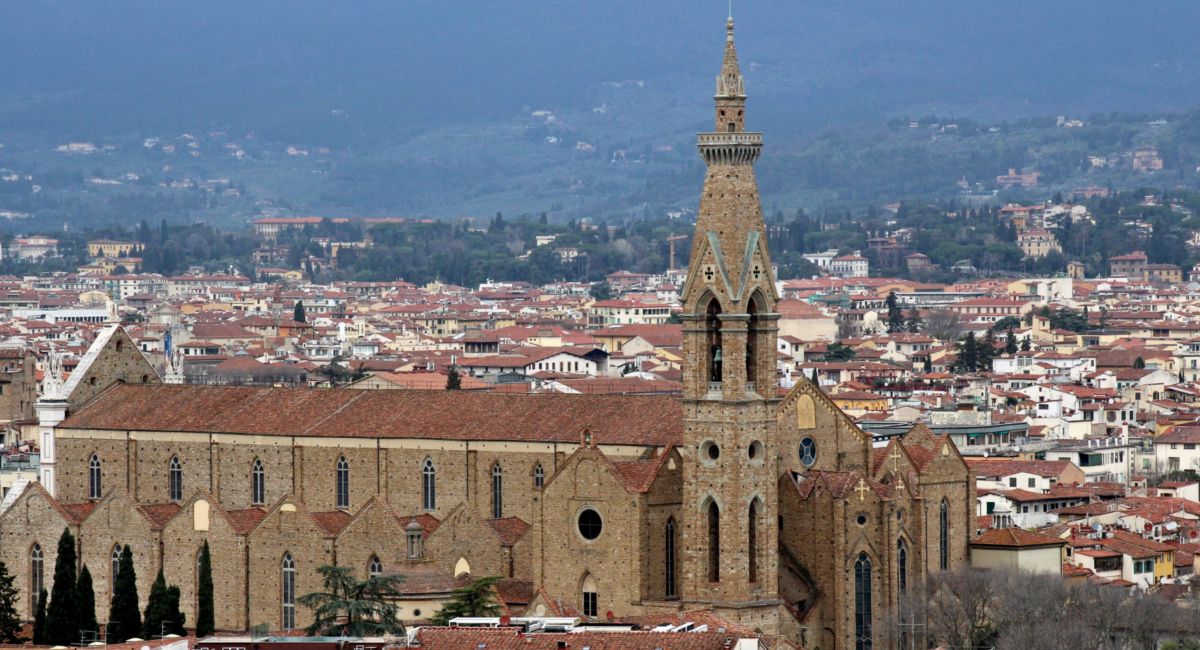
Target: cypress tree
x=39 y=619
x=175 y=617
x=205 y=610
x=124 y=617
x=62 y=614
x=10 y=621
x=453 y=380
x=156 y=608
x=85 y=595
x=298 y=314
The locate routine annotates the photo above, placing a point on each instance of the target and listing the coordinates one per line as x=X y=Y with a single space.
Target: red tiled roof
x=332 y=522
x=448 y=415
x=458 y=638
x=159 y=513
x=1015 y=537
x=509 y=529
x=244 y=520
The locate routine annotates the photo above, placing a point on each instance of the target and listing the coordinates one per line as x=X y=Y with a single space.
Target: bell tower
x=730 y=547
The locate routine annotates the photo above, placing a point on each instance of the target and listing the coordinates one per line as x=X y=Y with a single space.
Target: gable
x=112 y=357
x=807 y=413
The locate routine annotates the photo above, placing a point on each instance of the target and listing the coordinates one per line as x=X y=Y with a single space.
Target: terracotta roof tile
x=332 y=522
x=244 y=520
x=509 y=529
x=159 y=513
x=1015 y=537
x=613 y=419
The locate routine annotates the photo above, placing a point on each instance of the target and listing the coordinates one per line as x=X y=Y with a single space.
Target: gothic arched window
x=862 y=603
x=669 y=554
x=343 y=483
x=752 y=542
x=375 y=568
x=36 y=574
x=902 y=565
x=258 y=483
x=497 y=492
x=94 y=477
x=175 y=480
x=116 y=565
x=944 y=536
x=288 y=595
x=429 y=485
x=712 y=327
x=539 y=476
x=714 y=542
x=591 y=596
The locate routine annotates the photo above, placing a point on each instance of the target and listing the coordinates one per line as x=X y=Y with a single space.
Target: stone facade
x=761 y=507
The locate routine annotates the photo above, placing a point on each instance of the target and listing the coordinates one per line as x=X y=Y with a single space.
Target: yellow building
x=860 y=401
x=110 y=248
x=1038 y=243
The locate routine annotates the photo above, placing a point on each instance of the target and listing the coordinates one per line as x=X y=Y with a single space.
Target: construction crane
x=671 y=240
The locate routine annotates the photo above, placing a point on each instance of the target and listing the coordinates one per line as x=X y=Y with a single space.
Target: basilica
x=775 y=511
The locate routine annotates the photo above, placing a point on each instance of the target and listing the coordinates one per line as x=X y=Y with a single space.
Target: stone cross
x=862 y=490
x=895 y=457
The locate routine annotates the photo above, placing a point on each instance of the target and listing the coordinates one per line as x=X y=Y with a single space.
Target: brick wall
x=181 y=551
x=279 y=533
x=116 y=520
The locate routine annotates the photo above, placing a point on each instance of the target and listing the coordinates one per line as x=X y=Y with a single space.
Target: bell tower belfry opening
x=730 y=385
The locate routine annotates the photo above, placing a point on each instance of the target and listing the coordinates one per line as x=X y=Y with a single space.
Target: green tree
x=205 y=608
x=125 y=621
x=175 y=617
x=838 y=351
x=453 y=379
x=914 y=320
x=475 y=599
x=987 y=350
x=968 y=353
x=1139 y=363
x=352 y=607
x=85 y=594
x=895 y=317
x=10 y=621
x=156 y=608
x=62 y=614
x=334 y=372
x=39 y=619
x=1010 y=343
x=298 y=314
x=1026 y=344
x=601 y=291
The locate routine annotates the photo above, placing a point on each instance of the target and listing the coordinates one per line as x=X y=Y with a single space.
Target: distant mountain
x=397 y=69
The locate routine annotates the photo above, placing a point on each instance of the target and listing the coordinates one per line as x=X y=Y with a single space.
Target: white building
x=849 y=266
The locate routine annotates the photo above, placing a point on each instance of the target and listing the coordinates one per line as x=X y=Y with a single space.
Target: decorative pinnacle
x=729 y=29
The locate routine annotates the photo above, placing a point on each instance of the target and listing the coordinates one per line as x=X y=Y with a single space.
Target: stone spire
x=731 y=90
x=729 y=378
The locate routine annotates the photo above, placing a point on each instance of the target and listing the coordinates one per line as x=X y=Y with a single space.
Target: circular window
x=417 y=613
x=755 y=450
x=590 y=524
x=862 y=520
x=899 y=515
x=709 y=451
x=808 y=452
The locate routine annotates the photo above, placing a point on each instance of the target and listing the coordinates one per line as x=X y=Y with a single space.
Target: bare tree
x=942 y=324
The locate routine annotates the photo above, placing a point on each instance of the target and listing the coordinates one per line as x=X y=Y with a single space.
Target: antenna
x=731 y=8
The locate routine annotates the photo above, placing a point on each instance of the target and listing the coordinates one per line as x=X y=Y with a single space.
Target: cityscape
x=893 y=382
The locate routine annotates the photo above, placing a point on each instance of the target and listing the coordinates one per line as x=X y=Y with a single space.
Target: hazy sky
x=123 y=65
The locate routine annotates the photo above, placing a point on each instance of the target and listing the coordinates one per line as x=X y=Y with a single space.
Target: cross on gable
x=757 y=272
x=708 y=273
x=900 y=484
x=895 y=458
x=862 y=490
